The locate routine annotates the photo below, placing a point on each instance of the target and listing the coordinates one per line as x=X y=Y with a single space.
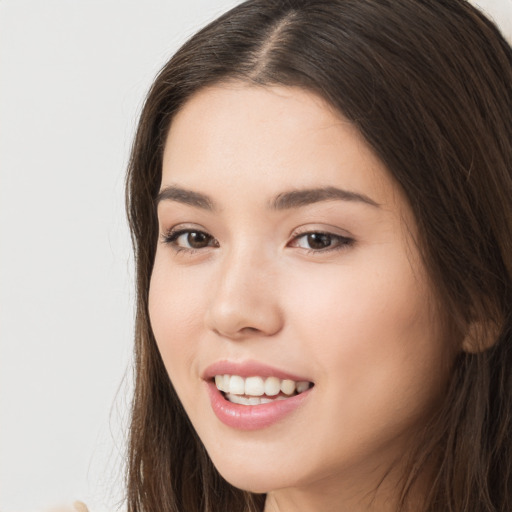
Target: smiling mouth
x=258 y=390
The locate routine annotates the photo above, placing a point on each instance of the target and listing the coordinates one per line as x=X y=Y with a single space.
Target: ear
x=480 y=336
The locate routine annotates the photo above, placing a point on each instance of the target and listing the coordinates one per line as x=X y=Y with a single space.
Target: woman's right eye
x=189 y=239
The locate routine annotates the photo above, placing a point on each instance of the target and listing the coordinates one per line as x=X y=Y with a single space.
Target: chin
x=259 y=480
x=254 y=484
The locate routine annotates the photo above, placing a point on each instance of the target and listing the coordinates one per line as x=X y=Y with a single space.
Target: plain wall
x=73 y=75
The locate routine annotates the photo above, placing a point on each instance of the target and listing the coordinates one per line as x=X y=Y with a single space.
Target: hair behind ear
x=480 y=336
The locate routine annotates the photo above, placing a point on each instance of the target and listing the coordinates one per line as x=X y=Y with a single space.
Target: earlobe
x=480 y=336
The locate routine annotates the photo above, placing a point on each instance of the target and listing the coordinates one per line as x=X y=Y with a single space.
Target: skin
x=356 y=318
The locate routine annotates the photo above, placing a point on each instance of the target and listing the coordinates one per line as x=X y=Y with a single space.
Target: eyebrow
x=283 y=201
x=181 y=195
x=298 y=198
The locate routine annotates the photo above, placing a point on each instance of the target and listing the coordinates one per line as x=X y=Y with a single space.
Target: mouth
x=250 y=395
x=256 y=390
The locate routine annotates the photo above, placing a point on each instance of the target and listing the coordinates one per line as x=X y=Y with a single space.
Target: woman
x=320 y=201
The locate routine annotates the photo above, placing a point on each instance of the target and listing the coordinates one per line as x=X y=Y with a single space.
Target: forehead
x=268 y=139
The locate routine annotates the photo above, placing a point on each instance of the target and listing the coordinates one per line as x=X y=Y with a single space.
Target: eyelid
x=182 y=227
x=320 y=228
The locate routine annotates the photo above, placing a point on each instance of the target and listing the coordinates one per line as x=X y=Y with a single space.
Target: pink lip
x=248 y=369
x=252 y=417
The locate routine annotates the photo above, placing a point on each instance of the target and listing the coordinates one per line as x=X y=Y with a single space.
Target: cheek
x=175 y=309
x=372 y=332
x=352 y=301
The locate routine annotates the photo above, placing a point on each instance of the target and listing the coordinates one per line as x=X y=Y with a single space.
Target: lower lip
x=252 y=417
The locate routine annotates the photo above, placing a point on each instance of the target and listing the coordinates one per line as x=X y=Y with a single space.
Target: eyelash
x=338 y=242
x=171 y=237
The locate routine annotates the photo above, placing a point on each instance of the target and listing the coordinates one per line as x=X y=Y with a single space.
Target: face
x=287 y=276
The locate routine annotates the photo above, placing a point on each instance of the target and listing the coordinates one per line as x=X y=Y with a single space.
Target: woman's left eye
x=319 y=241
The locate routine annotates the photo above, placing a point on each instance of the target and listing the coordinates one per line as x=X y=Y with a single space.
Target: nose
x=244 y=298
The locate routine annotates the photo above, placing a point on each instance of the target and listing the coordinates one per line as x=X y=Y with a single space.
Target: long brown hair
x=428 y=84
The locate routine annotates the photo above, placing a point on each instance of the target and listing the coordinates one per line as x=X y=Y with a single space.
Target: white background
x=73 y=74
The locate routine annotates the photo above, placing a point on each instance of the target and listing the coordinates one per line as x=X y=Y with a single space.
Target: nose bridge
x=244 y=297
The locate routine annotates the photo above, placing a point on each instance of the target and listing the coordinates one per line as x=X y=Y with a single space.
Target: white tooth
x=281 y=398
x=266 y=400
x=288 y=387
x=236 y=385
x=225 y=385
x=302 y=386
x=219 y=381
x=243 y=400
x=254 y=386
x=272 y=386
x=235 y=399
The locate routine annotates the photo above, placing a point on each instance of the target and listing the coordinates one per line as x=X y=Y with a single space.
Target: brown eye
x=184 y=239
x=318 y=241
x=198 y=239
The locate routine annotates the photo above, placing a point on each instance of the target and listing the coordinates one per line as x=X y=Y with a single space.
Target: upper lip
x=249 y=369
